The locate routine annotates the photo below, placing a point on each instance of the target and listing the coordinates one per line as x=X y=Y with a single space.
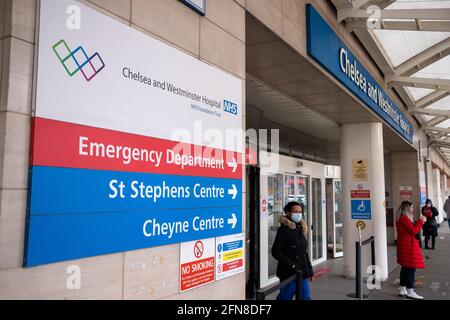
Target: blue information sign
x=108 y=191
x=326 y=48
x=361 y=209
x=89 y=234
x=101 y=212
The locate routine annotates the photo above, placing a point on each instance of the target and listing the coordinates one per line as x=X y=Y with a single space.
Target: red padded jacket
x=409 y=254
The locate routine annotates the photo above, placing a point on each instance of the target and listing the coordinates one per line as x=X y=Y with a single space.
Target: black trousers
x=407 y=276
x=433 y=241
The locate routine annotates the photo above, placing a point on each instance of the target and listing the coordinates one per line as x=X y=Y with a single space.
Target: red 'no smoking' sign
x=197 y=263
x=198 y=249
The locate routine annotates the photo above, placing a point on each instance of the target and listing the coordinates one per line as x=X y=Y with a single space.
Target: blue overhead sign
x=326 y=48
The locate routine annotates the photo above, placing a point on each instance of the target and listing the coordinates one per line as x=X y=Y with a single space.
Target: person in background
x=290 y=250
x=409 y=255
x=430 y=227
x=447 y=210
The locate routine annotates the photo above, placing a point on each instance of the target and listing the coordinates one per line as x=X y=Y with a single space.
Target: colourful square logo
x=78 y=60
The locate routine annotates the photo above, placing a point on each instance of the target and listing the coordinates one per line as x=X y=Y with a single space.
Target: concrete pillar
x=436 y=192
x=364 y=141
x=389 y=204
x=429 y=179
x=405 y=175
x=443 y=179
x=422 y=183
x=445 y=187
x=439 y=196
x=434 y=184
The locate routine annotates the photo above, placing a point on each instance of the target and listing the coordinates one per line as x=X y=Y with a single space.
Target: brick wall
x=143 y=274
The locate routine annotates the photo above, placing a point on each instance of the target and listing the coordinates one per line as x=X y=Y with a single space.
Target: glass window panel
x=339 y=239
x=337 y=202
x=275 y=208
x=302 y=195
x=317 y=232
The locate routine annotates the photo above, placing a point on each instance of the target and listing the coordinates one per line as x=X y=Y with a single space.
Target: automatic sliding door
x=296 y=189
x=275 y=208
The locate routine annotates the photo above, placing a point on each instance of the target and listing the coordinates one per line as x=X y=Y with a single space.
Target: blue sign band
x=326 y=48
x=55 y=238
x=77 y=213
x=64 y=190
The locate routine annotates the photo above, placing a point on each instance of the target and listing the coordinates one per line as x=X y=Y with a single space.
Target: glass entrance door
x=317 y=221
x=275 y=209
x=334 y=218
x=279 y=189
x=296 y=189
x=338 y=239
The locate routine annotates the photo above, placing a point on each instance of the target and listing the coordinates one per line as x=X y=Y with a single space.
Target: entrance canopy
x=298 y=96
x=410 y=42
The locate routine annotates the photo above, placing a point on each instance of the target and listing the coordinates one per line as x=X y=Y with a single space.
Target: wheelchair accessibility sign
x=361 y=209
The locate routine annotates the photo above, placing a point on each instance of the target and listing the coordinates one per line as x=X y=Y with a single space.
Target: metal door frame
x=323 y=226
x=336 y=254
x=253 y=231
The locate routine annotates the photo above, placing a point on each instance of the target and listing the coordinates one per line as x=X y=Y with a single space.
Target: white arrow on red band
x=233 y=192
x=233 y=164
x=233 y=221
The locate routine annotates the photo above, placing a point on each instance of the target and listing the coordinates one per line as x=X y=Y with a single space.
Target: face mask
x=297 y=217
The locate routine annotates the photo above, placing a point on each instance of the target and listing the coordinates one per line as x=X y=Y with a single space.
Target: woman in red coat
x=409 y=255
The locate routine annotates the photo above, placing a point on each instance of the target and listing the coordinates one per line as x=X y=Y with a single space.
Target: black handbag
x=433 y=225
x=418 y=233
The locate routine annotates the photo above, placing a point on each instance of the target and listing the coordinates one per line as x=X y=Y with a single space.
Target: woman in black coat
x=430 y=226
x=290 y=250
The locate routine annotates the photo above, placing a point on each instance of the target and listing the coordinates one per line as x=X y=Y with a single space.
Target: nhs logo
x=230 y=107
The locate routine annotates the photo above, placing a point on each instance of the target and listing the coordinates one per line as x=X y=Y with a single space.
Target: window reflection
x=275 y=208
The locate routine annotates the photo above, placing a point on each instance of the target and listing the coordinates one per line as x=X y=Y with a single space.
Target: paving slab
x=433 y=282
